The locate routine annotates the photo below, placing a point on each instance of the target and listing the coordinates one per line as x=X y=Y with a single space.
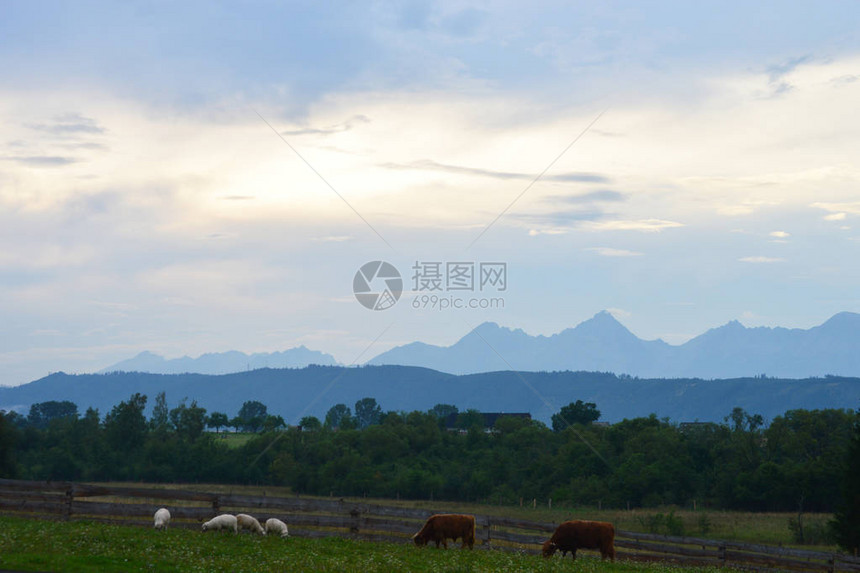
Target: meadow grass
x=81 y=546
x=235 y=439
x=771 y=528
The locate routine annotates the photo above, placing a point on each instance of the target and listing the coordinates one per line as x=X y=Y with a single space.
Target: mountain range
x=600 y=344
x=221 y=362
x=764 y=370
x=603 y=344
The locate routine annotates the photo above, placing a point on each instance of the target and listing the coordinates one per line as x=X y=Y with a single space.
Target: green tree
x=272 y=423
x=15 y=419
x=470 y=419
x=338 y=416
x=741 y=421
x=160 y=419
x=125 y=425
x=8 y=438
x=740 y=454
x=578 y=412
x=43 y=412
x=442 y=411
x=217 y=420
x=367 y=413
x=846 y=520
x=189 y=421
x=252 y=414
x=310 y=423
x=807 y=448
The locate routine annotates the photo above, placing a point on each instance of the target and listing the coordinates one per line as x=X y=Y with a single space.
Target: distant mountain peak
x=494 y=330
x=843 y=318
x=603 y=343
x=222 y=362
x=606 y=317
x=603 y=324
x=148 y=354
x=487 y=326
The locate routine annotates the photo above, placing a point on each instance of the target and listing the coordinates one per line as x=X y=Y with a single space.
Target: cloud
x=333 y=238
x=845 y=79
x=69 y=124
x=611 y=252
x=549 y=231
x=835 y=217
x=644 y=225
x=619 y=313
x=780 y=234
x=339 y=128
x=778 y=71
x=593 y=196
x=42 y=160
x=759 y=259
x=87 y=145
x=839 y=208
x=558 y=219
x=430 y=165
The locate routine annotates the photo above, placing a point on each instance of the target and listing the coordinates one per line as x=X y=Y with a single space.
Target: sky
x=199 y=177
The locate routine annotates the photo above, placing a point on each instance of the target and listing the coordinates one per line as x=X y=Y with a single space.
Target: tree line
x=801 y=461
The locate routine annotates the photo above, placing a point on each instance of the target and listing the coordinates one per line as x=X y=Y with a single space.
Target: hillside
x=293 y=393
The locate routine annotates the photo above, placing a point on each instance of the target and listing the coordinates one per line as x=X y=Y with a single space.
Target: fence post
x=216 y=504
x=831 y=564
x=70 y=496
x=356 y=520
x=486 y=525
x=721 y=554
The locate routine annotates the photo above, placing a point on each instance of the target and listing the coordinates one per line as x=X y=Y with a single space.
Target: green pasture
x=36 y=545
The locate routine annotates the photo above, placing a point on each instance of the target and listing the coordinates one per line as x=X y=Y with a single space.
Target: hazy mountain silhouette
x=222 y=362
x=604 y=344
x=293 y=393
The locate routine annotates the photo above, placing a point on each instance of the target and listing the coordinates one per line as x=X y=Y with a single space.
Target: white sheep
x=162 y=518
x=250 y=523
x=274 y=525
x=223 y=521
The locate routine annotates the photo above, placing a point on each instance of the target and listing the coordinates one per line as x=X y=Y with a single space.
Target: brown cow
x=573 y=535
x=442 y=526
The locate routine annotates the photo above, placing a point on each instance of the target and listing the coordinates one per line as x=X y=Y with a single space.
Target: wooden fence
x=308 y=517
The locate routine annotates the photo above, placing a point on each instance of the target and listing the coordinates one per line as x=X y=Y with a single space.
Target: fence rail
x=308 y=517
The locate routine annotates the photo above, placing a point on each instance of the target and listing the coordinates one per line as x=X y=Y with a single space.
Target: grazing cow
x=442 y=526
x=573 y=535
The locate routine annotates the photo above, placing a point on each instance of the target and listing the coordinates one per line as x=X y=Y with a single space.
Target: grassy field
x=766 y=528
x=235 y=439
x=34 y=545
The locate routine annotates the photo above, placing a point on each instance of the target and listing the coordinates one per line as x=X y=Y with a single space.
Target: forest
x=796 y=463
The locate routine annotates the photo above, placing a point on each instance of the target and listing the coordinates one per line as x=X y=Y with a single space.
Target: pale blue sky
x=144 y=205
